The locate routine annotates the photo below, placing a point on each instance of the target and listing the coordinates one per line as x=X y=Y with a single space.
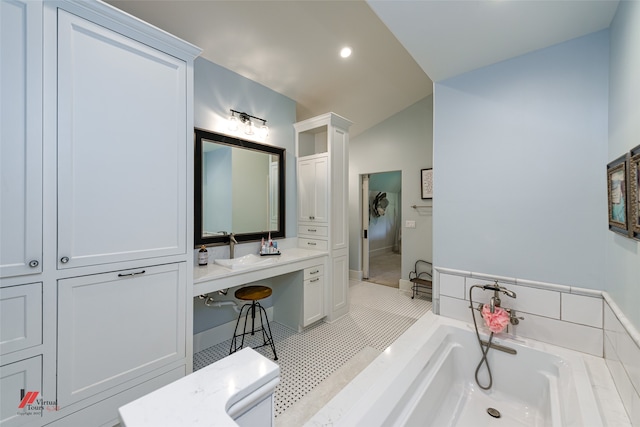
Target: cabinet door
x=21 y=138
x=121 y=147
x=16 y=380
x=313 y=300
x=114 y=327
x=313 y=182
x=21 y=315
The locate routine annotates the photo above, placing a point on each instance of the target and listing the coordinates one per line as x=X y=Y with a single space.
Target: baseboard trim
x=221 y=333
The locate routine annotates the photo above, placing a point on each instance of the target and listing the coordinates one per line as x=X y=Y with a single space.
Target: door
x=113 y=327
x=313 y=181
x=122 y=177
x=21 y=139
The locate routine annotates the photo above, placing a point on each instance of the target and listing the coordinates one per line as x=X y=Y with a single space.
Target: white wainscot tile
x=452 y=286
x=629 y=355
x=535 y=301
x=564 y=334
x=623 y=384
x=455 y=308
x=582 y=309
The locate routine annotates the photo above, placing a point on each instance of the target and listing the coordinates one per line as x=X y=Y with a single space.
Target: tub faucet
x=232 y=245
x=495 y=299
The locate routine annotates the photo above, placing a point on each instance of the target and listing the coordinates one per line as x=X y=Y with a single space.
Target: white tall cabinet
x=322 y=150
x=96 y=203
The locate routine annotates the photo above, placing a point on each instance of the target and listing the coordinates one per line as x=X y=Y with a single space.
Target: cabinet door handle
x=64 y=259
x=314 y=272
x=311 y=243
x=34 y=263
x=312 y=217
x=313 y=230
x=314 y=280
x=135 y=273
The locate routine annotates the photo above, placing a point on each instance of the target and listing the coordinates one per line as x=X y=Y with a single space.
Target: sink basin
x=246 y=261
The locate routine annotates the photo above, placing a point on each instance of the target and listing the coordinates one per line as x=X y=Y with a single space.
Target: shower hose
x=484 y=349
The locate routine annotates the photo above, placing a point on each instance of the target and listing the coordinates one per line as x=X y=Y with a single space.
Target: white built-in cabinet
x=322 y=145
x=96 y=210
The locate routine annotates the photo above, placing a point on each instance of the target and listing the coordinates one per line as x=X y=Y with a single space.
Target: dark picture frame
x=634 y=192
x=617 y=200
x=426 y=183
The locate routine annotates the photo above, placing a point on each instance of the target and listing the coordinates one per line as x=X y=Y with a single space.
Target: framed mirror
x=239 y=188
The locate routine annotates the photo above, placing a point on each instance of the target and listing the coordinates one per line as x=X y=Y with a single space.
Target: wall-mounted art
x=426 y=183
x=617 y=183
x=634 y=193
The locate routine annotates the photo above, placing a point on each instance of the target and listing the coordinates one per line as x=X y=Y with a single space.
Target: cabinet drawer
x=313 y=230
x=114 y=327
x=17 y=378
x=319 y=245
x=21 y=317
x=315 y=271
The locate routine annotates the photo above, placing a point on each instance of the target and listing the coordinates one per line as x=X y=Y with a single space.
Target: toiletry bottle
x=262 y=247
x=203 y=255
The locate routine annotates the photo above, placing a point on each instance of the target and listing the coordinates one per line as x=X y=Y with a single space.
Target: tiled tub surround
x=580 y=319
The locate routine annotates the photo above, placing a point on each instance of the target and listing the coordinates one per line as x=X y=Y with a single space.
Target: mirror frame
x=199 y=136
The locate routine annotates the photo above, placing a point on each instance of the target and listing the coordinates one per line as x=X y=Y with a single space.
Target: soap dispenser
x=203 y=256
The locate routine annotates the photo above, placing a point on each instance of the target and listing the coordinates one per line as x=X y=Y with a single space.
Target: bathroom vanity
x=298 y=284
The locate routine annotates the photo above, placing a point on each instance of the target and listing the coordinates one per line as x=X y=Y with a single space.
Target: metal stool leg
x=268 y=340
x=234 y=340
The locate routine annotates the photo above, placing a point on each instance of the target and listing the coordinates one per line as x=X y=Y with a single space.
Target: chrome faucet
x=232 y=245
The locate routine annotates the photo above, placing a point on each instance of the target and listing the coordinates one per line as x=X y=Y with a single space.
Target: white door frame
x=365 y=226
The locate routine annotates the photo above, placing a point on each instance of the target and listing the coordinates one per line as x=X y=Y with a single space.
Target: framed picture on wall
x=426 y=181
x=634 y=193
x=618 y=202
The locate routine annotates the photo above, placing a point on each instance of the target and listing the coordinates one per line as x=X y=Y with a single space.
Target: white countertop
x=204 y=397
x=213 y=277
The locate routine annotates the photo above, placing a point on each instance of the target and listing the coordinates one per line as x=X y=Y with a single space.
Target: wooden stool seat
x=253 y=293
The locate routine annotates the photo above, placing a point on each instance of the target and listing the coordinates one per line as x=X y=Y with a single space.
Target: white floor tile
x=378 y=316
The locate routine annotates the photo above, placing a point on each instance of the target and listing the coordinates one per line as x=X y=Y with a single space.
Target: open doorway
x=381 y=230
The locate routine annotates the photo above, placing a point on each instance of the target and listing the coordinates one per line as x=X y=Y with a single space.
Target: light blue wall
x=216 y=91
x=403 y=143
x=623 y=255
x=519 y=155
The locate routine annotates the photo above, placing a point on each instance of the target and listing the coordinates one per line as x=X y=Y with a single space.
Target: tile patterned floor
x=378 y=315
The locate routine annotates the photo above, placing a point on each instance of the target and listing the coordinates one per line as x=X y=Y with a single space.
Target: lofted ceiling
x=292 y=47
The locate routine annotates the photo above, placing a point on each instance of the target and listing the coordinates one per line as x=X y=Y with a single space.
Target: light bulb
x=264 y=131
x=233 y=123
x=249 y=127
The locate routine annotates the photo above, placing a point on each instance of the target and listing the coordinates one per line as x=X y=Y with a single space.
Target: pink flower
x=496 y=321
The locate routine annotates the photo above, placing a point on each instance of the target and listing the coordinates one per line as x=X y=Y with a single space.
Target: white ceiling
x=292 y=46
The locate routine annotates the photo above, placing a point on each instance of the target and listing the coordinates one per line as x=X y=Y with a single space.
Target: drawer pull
x=135 y=273
x=313 y=230
x=314 y=272
x=311 y=243
x=314 y=280
x=312 y=217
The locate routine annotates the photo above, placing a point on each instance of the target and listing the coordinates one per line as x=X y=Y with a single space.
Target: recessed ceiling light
x=345 y=52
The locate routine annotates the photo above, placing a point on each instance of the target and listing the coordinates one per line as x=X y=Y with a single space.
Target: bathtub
x=426 y=378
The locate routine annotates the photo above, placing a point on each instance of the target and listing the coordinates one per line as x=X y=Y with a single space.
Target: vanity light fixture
x=238 y=117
